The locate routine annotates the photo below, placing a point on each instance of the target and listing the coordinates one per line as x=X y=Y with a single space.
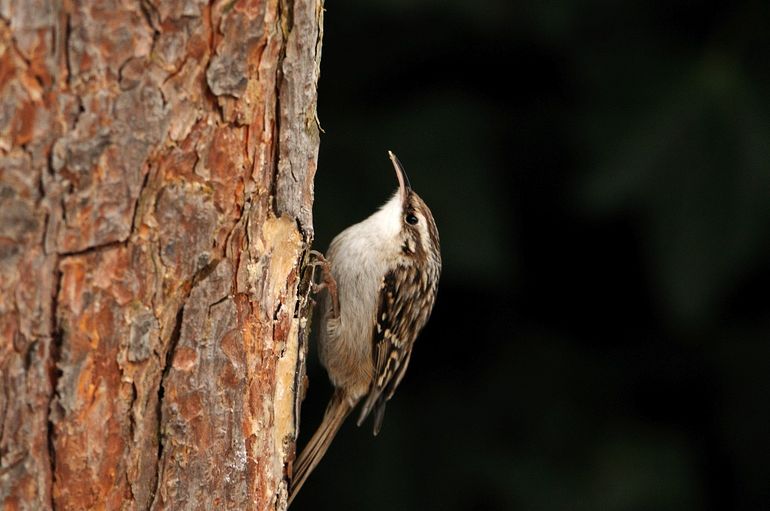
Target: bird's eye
x=411 y=219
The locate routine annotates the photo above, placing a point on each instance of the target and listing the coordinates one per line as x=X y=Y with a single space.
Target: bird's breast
x=358 y=265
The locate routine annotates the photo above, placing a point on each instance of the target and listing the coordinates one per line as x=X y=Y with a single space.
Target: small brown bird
x=385 y=270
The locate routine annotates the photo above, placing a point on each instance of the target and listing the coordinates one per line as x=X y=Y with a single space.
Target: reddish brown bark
x=156 y=168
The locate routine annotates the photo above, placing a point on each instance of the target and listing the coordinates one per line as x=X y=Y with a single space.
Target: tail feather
x=336 y=413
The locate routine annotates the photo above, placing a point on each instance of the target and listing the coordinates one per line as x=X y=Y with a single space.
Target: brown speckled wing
x=405 y=302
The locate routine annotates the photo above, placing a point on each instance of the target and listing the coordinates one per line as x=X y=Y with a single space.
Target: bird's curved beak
x=403 y=179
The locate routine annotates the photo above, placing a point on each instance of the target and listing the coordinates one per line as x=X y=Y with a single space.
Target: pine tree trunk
x=156 y=185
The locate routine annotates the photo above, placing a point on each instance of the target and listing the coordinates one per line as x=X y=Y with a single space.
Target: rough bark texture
x=156 y=168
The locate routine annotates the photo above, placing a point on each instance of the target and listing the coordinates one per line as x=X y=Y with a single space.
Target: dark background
x=600 y=175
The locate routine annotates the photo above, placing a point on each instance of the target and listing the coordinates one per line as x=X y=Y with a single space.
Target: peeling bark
x=156 y=186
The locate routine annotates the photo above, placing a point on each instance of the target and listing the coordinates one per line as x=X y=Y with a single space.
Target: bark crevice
x=55 y=372
x=172 y=344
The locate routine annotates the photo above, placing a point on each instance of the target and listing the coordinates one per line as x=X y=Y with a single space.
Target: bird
x=381 y=277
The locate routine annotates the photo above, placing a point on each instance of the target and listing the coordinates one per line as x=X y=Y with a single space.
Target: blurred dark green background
x=600 y=175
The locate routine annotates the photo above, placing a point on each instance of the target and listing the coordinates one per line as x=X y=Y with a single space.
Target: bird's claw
x=328 y=282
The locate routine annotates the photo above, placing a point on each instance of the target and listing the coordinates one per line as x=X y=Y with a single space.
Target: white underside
x=359 y=256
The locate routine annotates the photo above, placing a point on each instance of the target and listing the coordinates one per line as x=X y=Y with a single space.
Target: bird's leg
x=327 y=281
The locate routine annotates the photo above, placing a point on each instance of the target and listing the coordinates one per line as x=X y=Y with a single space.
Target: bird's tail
x=336 y=412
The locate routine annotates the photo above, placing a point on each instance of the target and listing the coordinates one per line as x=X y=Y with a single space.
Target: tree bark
x=156 y=185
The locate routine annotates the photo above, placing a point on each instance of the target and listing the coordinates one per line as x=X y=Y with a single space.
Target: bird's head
x=417 y=232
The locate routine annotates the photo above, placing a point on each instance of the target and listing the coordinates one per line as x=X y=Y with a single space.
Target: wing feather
x=401 y=314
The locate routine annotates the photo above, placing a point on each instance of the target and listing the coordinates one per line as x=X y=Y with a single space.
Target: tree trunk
x=156 y=186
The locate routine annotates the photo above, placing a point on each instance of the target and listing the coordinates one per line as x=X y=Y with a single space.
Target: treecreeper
x=381 y=277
